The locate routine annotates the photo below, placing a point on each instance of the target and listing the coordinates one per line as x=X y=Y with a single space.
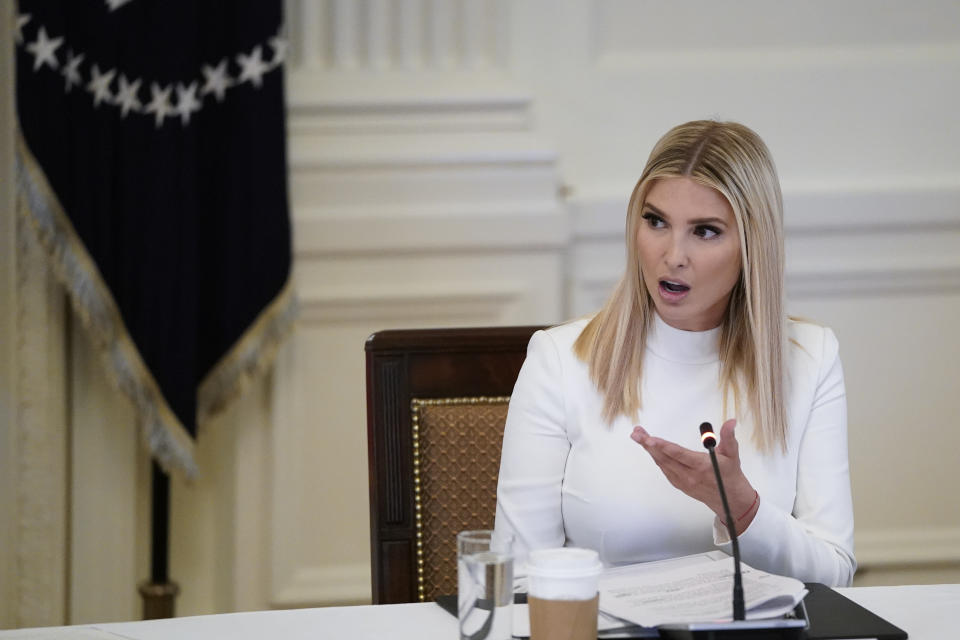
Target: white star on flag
x=22 y=19
x=69 y=72
x=217 y=80
x=187 y=102
x=127 y=96
x=252 y=67
x=43 y=49
x=99 y=85
x=279 y=44
x=159 y=102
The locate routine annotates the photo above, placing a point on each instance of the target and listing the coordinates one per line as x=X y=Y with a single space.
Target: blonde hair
x=732 y=159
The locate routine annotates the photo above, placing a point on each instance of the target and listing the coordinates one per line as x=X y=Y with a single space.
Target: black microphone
x=707 y=436
x=709 y=439
x=788 y=628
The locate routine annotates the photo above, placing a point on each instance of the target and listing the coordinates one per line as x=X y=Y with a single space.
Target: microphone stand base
x=158 y=599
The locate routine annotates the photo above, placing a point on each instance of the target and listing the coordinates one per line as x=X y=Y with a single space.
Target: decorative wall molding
x=464 y=150
x=357 y=174
x=813 y=208
x=631 y=36
x=483 y=301
x=419 y=66
x=862 y=240
x=865 y=207
x=333 y=584
x=384 y=34
x=588 y=295
x=840 y=281
x=419 y=230
x=329 y=103
x=930 y=545
x=811 y=282
x=802 y=58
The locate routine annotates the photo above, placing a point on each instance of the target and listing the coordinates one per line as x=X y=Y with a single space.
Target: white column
x=345 y=34
x=104 y=493
x=474 y=33
x=308 y=27
x=379 y=33
x=441 y=29
x=411 y=33
x=499 y=35
x=364 y=35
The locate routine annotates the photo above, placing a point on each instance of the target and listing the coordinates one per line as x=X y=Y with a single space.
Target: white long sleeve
x=566 y=477
x=814 y=542
x=528 y=494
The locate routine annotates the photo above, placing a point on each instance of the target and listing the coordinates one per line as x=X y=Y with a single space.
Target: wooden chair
x=436 y=404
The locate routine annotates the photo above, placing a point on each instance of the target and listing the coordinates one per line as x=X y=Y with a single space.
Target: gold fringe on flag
x=249 y=356
x=166 y=438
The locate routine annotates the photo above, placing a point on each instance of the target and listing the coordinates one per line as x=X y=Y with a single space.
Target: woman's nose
x=676 y=255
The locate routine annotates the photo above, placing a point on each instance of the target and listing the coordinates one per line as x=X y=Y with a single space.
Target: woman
x=601 y=447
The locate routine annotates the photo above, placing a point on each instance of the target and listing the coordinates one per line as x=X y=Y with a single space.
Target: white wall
x=439 y=183
x=854 y=100
x=468 y=162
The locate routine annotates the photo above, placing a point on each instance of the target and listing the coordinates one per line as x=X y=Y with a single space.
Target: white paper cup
x=563 y=593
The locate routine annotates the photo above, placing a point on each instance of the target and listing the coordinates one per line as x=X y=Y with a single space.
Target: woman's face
x=689 y=252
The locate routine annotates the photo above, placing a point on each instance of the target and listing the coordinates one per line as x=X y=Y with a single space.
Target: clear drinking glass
x=485 y=585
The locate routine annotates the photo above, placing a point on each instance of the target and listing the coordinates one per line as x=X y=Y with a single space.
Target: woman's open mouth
x=673 y=291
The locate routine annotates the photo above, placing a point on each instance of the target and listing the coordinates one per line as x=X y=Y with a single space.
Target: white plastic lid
x=567 y=573
x=565 y=562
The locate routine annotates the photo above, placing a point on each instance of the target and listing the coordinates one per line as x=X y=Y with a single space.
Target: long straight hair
x=732 y=159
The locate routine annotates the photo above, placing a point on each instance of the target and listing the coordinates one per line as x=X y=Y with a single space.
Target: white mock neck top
x=685 y=347
x=568 y=478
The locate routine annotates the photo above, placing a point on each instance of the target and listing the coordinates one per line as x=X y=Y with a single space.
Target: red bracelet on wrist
x=756 y=499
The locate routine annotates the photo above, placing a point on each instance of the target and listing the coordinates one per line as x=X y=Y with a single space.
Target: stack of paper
x=693 y=589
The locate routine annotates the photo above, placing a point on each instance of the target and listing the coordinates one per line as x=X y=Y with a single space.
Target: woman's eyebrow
x=694 y=222
x=647 y=205
x=713 y=220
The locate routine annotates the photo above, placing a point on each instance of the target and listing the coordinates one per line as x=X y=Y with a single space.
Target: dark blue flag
x=151 y=162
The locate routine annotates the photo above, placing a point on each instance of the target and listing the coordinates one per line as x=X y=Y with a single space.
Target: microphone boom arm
x=738 y=604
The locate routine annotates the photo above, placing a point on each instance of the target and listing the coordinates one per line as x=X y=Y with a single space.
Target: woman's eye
x=653 y=220
x=705 y=231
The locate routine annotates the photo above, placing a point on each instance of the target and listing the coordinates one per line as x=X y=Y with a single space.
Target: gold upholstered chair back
x=456 y=461
x=436 y=405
